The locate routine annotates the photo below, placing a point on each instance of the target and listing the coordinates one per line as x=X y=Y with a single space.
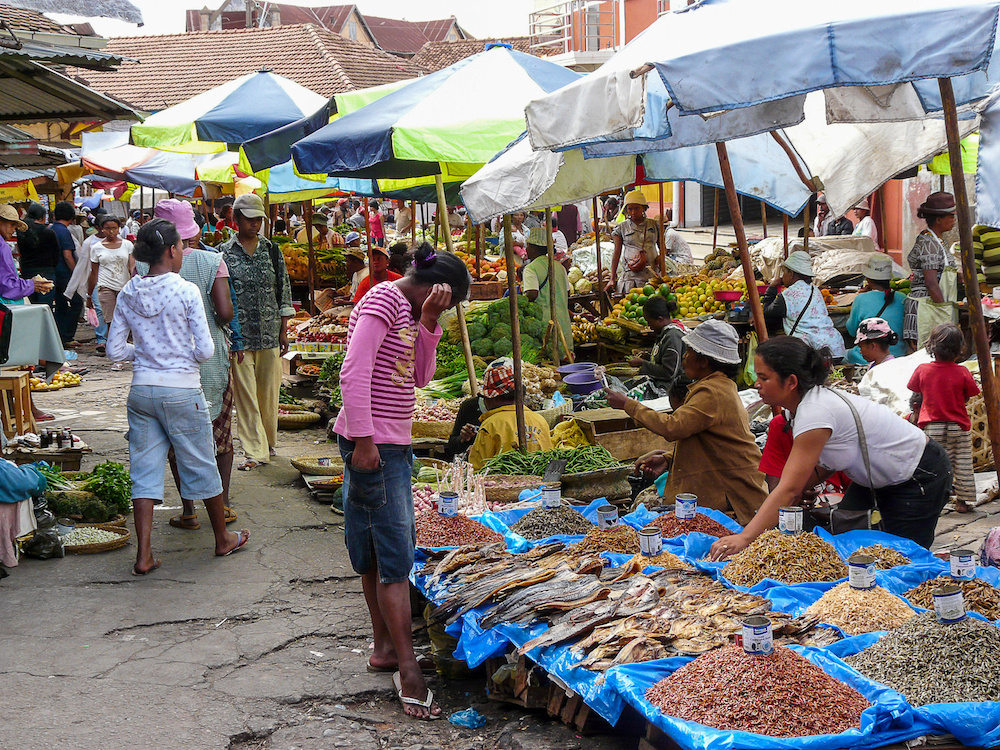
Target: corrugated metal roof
x=30 y=92
x=20 y=175
x=79 y=57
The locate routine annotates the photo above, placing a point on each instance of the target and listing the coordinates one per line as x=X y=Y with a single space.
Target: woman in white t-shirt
x=111 y=267
x=905 y=474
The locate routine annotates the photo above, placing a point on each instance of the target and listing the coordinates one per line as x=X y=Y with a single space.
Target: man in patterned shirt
x=264 y=298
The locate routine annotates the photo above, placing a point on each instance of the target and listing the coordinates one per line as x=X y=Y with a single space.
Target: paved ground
x=265 y=649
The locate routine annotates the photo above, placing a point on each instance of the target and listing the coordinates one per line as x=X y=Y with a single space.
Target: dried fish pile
x=435 y=530
x=779 y=695
x=979 y=596
x=789 y=558
x=621 y=539
x=858 y=611
x=671 y=526
x=885 y=557
x=929 y=662
x=541 y=523
x=662 y=560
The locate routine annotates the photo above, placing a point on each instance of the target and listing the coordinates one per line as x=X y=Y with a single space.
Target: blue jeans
x=378 y=512
x=101 y=332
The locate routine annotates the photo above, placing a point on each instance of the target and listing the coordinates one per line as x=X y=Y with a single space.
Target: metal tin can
x=325 y=461
x=963 y=564
x=551 y=495
x=758 y=640
x=790 y=520
x=650 y=541
x=861 y=571
x=686 y=505
x=447 y=503
x=607 y=517
x=949 y=604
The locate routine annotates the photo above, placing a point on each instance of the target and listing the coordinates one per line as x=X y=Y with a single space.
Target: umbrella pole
x=413 y=223
x=515 y=328
x=663 y=260
x=763 y=217
x=715 y=226
x=550 y=247
x=602 y=296
x=976 y=320
x=784 y=228
x=307 y=212
x=463 y=329
x=741 y=241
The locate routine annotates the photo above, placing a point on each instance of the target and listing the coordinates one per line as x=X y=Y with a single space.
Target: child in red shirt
x=940 y=390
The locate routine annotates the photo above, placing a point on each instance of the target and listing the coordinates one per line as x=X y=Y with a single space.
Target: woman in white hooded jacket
x=166 y=406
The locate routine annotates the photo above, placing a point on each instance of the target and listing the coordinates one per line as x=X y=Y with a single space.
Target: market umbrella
x=149 y=167
x=233 y=112
x=874 y=61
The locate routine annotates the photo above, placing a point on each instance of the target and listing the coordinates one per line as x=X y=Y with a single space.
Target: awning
x=31 y=92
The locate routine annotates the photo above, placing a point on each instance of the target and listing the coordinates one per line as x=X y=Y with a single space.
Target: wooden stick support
x=602 y=296
x=368 y=239
x=784 y=229
x=980 y=338
x=413 y=223
x=715 y=225
x=741 y=240
x=515 y=327
x=308 y=215
x=805 y=231
x=551 y=253
x=763 y=217
x=663 y=259
x=463 y=328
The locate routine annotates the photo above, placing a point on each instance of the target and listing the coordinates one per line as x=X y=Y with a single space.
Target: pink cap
x=181 y=213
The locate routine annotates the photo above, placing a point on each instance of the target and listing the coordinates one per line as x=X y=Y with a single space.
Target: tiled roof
x=438 y=55
x=174 y=67
x=29 y=20
x=332 y=17
x=436 y=31
x=395 y=35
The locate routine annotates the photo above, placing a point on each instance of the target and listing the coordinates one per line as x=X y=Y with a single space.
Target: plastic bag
x=470 y=718
x=45 y=543
x=92 y=317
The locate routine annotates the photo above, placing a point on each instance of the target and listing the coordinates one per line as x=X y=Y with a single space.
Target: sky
x=481 y=19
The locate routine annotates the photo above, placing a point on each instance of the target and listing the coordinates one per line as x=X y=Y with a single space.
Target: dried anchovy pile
x=857 y=611
x=979 y=596
x=435 y=530
x=789 y=558
x=621 y=539
x=541 y=523
x=671 y=526
x=930 y=662
x=885 y=557
x=780 y=695
x=663 y=560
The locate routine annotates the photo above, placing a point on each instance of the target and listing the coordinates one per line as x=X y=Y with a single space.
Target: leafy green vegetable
x=450 y=360
x=112 y=485
x=329 y=373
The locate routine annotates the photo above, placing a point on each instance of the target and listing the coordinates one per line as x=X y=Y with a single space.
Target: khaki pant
x=256 y=381
x=109 y=300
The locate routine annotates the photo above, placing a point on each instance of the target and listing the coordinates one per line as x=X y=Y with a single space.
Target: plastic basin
x=576 y=367
x=728 y=295
x=582 y=382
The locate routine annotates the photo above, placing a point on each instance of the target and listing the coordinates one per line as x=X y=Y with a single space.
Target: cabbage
x=575 y=274
x=583 y=286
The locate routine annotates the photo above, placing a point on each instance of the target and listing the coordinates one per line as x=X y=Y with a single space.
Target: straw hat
x=716 y=340
x=9 y=213
x=636 y=196
x=878 y=267
x=355 y=252
x=862 y=205
x=800 y=262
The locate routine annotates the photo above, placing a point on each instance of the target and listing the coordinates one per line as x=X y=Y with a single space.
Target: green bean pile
x=591 y=458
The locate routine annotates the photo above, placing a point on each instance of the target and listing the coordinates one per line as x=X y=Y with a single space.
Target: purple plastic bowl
x=576 y=367
x=582 y=382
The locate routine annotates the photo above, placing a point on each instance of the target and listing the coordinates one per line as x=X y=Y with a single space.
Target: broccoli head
x=503 y=347
x=476 y=331
x=483 y=347
x=504 y=313
x=532 y=327
x=501 y=331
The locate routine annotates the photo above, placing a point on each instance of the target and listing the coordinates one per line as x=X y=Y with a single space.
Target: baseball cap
x=251 y=206
x=351 y=237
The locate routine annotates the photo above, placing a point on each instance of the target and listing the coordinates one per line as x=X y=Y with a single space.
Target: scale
x=737 y=308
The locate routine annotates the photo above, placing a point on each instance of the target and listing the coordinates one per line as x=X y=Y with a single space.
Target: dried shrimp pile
x=789 y=558
x=885 y=557
x=857 y=611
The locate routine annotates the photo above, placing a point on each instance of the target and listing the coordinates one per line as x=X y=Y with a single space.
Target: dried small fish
x=663 y=560
x=885 y=557
x=779 y=695
x=435 y=530
x=541 y=523
x=789 y=558
x=622 y=539
x=671 y=526
x=930 y=662
x=979 y=596
x=857 y=611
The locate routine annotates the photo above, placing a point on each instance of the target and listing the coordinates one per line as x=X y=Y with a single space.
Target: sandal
x=248 y=464
x=230 y=515
x=244 y=538
x=185 y=522
x=117 y=367
x=406 y=700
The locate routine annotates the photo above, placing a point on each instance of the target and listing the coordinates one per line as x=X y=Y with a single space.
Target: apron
x=930 y=313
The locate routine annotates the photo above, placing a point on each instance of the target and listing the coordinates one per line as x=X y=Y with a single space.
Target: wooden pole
x=763 y=217
x=980 y=338
x=515 y=327
x=368 y=239
x=602 y=296
x=663 y=260
x=413 y=223
x=805 y=232
x=784 y=227
x=741 y=240
x=308 y=215
x=550 y=246
x=715 y=225
x=463 y=328
x=272 y=214
x=480 y=231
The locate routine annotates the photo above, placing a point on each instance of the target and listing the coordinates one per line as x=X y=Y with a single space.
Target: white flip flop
x=425 y=703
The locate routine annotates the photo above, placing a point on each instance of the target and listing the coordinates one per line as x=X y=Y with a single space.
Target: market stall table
x=34 y=338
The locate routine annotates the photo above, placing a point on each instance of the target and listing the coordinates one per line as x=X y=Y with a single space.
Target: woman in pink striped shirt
x=391 y=341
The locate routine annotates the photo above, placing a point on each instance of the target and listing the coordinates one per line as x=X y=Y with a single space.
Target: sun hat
x=862 y=205
x=351 y=237
x=716 y=340
x=181 y=214
x=355 y=252
x=251 y=206
x=538 y=236
x=872 y=329
x=938 y=203
x=821 y=197
x=878 y=267
x=498 y=380
x=382 y=250
x=800 y=262
x=9 y=213
x=319 y=219
x=636 y=196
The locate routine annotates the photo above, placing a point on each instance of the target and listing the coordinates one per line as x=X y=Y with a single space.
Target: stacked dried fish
x=979 y=596
x=857 y=611
x=541 y=523
x=622 y=539
x=885 y=557
x=779 y=695
x=789 y=558
x=671 y=526
x=929 y=662
x=435 y=530
x=663 y=560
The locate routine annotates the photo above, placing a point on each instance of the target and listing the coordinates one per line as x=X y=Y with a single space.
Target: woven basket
x=511 y=494
x=309 y=465
x=86 y=549
x=298 y=420
x=554 y=415
x=589 y=485
x=982 y=452
x=435 y=463
x=117 y=521
x=438 y=430
x=622 y=371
